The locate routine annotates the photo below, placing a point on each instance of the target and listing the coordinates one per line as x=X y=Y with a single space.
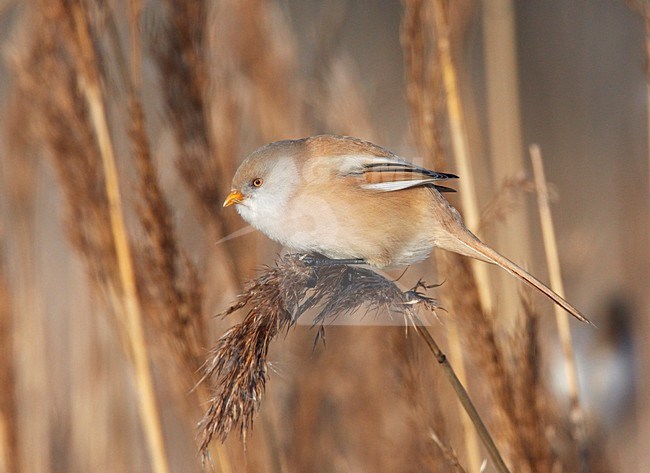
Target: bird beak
x=235 y=197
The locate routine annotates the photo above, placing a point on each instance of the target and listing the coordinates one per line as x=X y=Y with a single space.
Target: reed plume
x=237 y=366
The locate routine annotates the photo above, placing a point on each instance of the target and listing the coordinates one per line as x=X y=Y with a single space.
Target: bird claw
x=417 y=296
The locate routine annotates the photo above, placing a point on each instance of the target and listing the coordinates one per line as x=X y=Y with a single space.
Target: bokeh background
x=187 y=89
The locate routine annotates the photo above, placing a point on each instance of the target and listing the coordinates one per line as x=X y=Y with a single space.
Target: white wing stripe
x=390 y=186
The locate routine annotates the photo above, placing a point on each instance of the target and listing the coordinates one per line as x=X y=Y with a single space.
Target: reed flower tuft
x=275 y=300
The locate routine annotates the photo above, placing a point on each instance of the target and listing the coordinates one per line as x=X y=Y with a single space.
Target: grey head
x=264 y=182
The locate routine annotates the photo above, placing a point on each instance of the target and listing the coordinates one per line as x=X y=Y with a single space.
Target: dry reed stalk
x=80 y=174
x=460 y=145
x=504 y=134
x=228 y=71
x=564 y=330
x=509 y=370
x=425 y=94
x=9 y=453
x=90 y=84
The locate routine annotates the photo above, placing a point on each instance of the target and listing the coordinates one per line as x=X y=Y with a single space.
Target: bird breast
x=342 y=221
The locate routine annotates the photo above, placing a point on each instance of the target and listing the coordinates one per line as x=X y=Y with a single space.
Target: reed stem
x=469 y=201
x=504 y=136
x=459 y=141
x=561 y=319
x=147 y=403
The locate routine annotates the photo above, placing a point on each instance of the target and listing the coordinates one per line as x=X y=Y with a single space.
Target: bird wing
x=388 y=174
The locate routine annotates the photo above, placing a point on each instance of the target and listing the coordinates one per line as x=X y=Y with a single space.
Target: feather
x=390 y=173
x=392 y=167
x=390 y=186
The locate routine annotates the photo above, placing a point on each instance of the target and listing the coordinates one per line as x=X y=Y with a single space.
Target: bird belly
x=377 y=228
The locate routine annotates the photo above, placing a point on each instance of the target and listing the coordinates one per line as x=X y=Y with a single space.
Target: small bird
x=353 y=201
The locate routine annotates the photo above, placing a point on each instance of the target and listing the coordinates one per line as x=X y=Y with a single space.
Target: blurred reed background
x=123 y=122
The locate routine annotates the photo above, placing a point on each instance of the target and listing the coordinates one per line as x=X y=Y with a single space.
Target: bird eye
x=257 y=182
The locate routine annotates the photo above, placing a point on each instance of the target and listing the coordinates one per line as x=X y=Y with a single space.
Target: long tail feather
x=479 y=250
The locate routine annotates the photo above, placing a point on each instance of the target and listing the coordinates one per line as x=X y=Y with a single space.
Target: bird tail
x=479 y=250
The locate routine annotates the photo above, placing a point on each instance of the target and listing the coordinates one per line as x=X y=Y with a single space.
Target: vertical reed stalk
x=562 y=321
x=504 y=133
x=469 y=202
x=460 y=145
x=148 y=406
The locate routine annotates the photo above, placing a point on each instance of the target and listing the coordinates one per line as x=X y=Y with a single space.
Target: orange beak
x=235 y=197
